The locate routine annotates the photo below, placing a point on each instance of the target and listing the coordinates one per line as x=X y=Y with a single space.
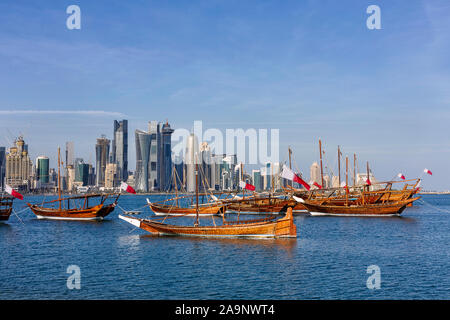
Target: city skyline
x=302 y=68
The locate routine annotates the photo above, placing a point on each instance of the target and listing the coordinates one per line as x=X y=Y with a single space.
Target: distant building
x=19 y=168
x=111 y=175
x=165 y=160
x=335 y=182
x=191 y=159
x=315 y=174
x=142 y=160
x=70 y=178
x=42 y=170
x=2 y=167
x=101 y=156
x=81 y=173
x=119 y=150
x=257 y=180
x=70 y=155
x=205 y=167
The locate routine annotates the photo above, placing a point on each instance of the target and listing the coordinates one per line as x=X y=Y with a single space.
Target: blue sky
x=309 y=68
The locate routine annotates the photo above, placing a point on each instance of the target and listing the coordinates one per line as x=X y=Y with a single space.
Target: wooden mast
x=339 y=166
x=321 y=167
x=346 y=180
x=291 y=183
x=59 y=178
x=242 y=179
x=196 y=194
x=354 y=169
x=175 y=184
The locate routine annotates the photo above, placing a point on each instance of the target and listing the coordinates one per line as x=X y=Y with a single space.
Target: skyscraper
x=154 y=170
x=42 y=170
x=2 y=166
x=191 y=158
x=142 y=160
x=315 y=174
x=119 y=150
x=165 y=162
x=257 y=180
x=69 y=153
x=81 y=172
x=101 y=155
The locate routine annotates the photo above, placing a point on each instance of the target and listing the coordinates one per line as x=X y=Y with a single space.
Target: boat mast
x=196 y=194
x=290 y=164
x=59 y=178
x=242 y=179
x=339 y=166
x=175 y=184
x=321 y=167
x=354 y=169
x=346 y=180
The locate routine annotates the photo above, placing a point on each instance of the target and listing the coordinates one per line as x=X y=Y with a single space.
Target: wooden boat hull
x=264 y=206
x=372 y=210
x=164 y=210
x=5 y=214
x=94 y=213
x=264 y=228
x=5 y=207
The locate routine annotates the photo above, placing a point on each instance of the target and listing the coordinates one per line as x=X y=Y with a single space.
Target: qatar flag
x=428 y=171
x=13 y=192
x=317 y=185
x=401 y=176
x=290 y=175
x=368 y=182
x=247 y=186
x=127 y=188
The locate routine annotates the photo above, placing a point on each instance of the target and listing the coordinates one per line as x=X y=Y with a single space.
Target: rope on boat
x=433 y=206
x=125 y=211
x=17 y=214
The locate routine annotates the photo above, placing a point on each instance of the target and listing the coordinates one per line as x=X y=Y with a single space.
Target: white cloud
x=65 y=112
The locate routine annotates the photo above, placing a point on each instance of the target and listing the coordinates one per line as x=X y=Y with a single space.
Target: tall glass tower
x=119 y=149
x=101 y=160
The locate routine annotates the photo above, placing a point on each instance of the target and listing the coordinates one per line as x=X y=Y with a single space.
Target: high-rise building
x=111 y=175
x=315 y=174
x=119 y=150
x=2 y=167
x=142 y=160
x=19 y=168
x=205 y=167
x=191 y=159
x=101 y=155
x=81 y=172
x=70 y=156
x=42 y=170
x=266 y=172
x=165 y=159
x=257 y=180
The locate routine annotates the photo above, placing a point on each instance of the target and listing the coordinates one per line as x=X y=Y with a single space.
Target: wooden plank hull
x=5 y=207
x=264 y=206
x=94 y=213
x=264 y=228
x=5 y=214
x=386 y=209
x=164 y=210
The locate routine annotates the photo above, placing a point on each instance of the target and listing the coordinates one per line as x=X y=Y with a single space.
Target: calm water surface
x=328 y=260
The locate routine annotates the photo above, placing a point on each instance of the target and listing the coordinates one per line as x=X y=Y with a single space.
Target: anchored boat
x=60 y=209
x=6 y=203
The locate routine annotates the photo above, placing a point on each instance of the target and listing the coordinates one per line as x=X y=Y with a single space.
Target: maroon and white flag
x=127 y=188
x=13 y=192
x=368 y=182
x=290 y=175
x=428 y=171
x=317 y=185
x=247 y=186
x=401 y=176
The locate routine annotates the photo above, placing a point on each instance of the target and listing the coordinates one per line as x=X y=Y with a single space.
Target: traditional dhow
x=389 y=208
x=267 y=227
x=70 y=208
x=6 y=203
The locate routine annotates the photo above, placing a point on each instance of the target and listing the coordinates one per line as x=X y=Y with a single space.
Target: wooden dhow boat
x=390 y=208
x=6 y=203
x=60 y=209
x=268 y=227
